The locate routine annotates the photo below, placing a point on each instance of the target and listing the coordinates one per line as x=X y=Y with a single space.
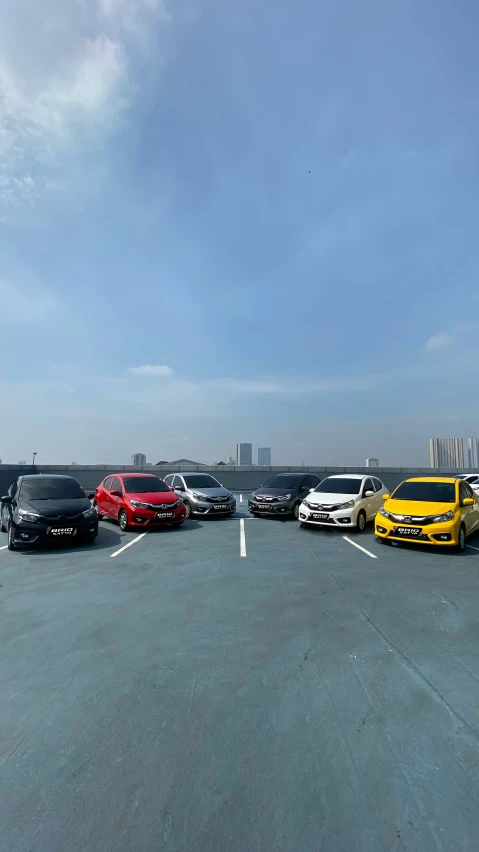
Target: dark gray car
x=282 y=495
x=202 y=494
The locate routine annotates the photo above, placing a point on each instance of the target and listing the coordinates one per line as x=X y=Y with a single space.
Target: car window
x=62 y=488
x=13 y=488
x=368 y=486
x=428 y=492
x=116 y=485
x=377 y=484
x=339 y=485
x=168 y=479
x=314 y=481
x=107 y=483
x=464 y=490
x=307 y=482
x=201 y=480
x=178 y=483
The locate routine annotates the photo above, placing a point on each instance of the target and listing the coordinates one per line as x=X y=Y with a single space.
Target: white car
x=472 y=479
x=345 y=500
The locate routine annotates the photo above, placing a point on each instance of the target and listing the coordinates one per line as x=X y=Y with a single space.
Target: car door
x=306 y=484
x=379 y=490
x=179 y=485
x=8 y=509
x=315 y=480
x=368 y=503
x=470 y=513
x=115 y=501
x=103 y=496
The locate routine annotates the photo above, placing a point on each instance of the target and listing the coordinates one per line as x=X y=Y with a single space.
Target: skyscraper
x=244 y=454
x=372 y=462
x=473 y=452
x=230 y=461
x=446 y=452
x=138 y=459
x=264 y=456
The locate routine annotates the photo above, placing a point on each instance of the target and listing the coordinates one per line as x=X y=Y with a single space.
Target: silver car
x=202 y=494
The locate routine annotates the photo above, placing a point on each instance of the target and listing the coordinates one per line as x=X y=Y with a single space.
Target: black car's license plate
x=319 y=516
x=61 y=531
x=262 y=507
x=165 y=514
x=408 y=532
x=221 y=506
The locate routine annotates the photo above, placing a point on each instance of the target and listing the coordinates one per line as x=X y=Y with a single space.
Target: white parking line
x=372 y=555
x=241 y=498
x=467 y=545
x=4 y=548
x=133 y=541
x=242 y=539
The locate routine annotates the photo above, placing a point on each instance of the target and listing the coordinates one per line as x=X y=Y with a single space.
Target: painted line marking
x=467 y=545
x=4 y=548
x=242 y=538
x=372 y=555
x=125 y=546
x=241 y=498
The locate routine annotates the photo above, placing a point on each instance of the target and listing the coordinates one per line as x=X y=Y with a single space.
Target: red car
x=138 y=500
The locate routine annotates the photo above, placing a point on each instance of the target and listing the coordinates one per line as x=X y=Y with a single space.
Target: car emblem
x=407 y=519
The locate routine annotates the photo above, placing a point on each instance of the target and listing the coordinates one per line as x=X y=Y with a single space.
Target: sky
x=226 y=222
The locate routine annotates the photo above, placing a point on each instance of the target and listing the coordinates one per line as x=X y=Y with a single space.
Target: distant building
x=472 y=452
x=183 y=462
x=73 y=463
x=264 y=456
x=230 y=460
x=22 y=462
x=244 y=454
x=220 y=464
x=446 y=452
x=138 y=459
x=372 y=462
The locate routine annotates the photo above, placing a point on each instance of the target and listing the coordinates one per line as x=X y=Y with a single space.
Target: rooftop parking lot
x=239 y=684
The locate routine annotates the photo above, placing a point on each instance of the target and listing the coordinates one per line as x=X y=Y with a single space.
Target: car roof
x=46 y=476
x=133 y=475
x=192 y=473
x=348 y=476
x=449 y=479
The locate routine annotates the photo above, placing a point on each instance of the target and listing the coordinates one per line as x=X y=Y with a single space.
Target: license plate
x=165 y=514
x=263 y=508
x=61 y=531
x=222 y=506
x=319 y=516
x=408 y=531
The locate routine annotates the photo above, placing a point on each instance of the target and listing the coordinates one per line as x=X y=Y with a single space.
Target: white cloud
x=25 y=305
x=151 y=370
x=67 y=88
x=439 y=341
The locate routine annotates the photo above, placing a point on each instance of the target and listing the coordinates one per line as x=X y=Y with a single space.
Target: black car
x=46 y=508
x=282 y=494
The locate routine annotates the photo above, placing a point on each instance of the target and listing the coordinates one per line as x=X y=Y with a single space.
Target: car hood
x=155 y=498
x=275 y=492
x=53 y=508
x=326 y=499
x=210 y=492
x=417 y=508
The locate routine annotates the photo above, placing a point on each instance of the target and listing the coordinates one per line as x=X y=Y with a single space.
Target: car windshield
x=144 y=484
x=283 y=480
x=427 y=492
x=339 y=486
x=51 y=489
x=201 y=480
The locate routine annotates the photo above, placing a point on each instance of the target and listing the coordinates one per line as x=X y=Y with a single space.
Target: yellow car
x=429 y=510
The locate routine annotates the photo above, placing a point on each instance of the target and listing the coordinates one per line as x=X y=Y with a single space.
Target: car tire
x=296 y=511
x=461 y=542
x=361 y=521
x=123 y=520
x=382 y=540
x=96 y=506
x=187 y=510
x=11 y=543
x=2 y=525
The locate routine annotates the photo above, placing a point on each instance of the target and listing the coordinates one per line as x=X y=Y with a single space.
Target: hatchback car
x=138 y=500
x=202 y=494
x=282 y=494
x=45 y=508
x=343 y=500
x=439 y=510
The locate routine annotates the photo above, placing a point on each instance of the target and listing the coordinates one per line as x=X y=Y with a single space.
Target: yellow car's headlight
x=439 y=519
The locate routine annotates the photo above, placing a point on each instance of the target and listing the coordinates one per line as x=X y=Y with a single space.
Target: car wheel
x=96 y=506
x=123 y=520
x=361 y=521
x=382 y=540
x=461 y=541
x=296 y=511
x=2 y=525
x=10 y=543
x=187 y=509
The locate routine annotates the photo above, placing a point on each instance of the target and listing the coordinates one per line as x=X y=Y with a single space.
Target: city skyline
x=473 y=452
x=244 y=454
x=446 y=452
x=264 y=456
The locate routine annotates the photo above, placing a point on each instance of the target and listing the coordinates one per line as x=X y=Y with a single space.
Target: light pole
x=33 y=462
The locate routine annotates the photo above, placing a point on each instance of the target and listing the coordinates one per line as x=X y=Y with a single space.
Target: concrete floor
x=179 y=697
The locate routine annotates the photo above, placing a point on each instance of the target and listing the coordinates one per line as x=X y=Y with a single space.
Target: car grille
x=217 y=499
x=162 y=505
x=414 y=520
x=62 y=519
x=318 y=507
x=260 y=499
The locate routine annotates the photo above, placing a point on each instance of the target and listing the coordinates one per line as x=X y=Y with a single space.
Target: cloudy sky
x=227 y=222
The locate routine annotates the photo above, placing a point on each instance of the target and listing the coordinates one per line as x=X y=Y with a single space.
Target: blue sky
x=220 y=224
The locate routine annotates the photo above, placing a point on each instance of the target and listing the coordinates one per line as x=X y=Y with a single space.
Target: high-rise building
x=230 y=460
x=264 y=456
x=473 y=452
x=446 y=452
x=244 y=454
x=372 y=462
x=138 y=459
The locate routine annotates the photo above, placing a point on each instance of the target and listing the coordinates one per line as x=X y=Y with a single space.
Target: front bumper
x=256 y=507
x=149 y=517
x=339 y=518
x=203 y=507
x=443 y=535
x=40 y=533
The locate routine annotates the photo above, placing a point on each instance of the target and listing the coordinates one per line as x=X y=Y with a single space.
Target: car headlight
x=384 y=513
x=179 y=502
x=439 y=519
x=198 y=496
x=348 y=505
x=139 y=505
x=285 y=497
x=88 y=513
x=32 y=517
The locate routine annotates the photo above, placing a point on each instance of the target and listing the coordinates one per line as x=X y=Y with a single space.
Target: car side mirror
x=115 y=493
x=311 y=490
x=468 y=501
x=369 y=493
x=177 y=488
x=7 y=499
x=386 y=496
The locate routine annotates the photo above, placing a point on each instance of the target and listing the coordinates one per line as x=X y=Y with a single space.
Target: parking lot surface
x=239 y=684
